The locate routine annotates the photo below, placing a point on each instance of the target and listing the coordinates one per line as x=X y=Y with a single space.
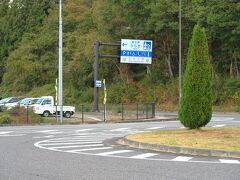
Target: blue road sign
x=136 y=51
x=98 y=84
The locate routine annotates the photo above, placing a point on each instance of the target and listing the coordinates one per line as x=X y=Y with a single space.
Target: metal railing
x=116 y=112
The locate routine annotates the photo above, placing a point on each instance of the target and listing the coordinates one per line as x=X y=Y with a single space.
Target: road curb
x=179 y=150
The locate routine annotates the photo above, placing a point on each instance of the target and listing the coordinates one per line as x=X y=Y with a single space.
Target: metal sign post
x=60 y=86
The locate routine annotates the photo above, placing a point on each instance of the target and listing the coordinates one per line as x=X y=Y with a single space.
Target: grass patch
x=227 y=139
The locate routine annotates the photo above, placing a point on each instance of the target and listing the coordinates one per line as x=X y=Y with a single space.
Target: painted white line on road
x=142 y=156
x=47 y=131
x=39 y=137
x=74 y=140
x=56 y=144
x=222 y=119
x=219 y=125
x=82 y=130
x=11 y=135
x=182 y=158
x=153 y=128
x=113 y=152
x=76 y=146
x=229 y=161
x=119 y=129
x=5 y=132
x=90 y=149
x=93 y=118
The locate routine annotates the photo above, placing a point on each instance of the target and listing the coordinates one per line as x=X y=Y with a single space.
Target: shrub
x=196 y=102
x=4 y=118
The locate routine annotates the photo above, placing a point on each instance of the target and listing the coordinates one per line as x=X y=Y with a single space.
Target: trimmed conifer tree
x=196 y=102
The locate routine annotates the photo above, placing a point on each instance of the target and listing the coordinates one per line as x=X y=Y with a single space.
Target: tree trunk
x=231 y=69
x=236 y=65
x=168 y=60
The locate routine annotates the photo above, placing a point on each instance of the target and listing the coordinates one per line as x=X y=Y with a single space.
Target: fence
x=83 y=114
x=116 y=112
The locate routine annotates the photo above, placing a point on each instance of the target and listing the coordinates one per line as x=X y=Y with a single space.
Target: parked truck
x=45 y=107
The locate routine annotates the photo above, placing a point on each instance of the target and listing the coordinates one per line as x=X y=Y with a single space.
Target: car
x=10 y=102
x=31 y=102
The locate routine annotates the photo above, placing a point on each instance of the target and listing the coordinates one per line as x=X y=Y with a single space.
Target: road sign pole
x=96 y=75
x=60 y=98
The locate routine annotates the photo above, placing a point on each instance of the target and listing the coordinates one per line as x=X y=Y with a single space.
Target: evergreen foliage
x=196 y=102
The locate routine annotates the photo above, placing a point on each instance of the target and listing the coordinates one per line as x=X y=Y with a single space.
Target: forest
x=29 y=48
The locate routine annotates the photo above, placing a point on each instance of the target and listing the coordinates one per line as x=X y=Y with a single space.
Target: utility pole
x=60 y=75
x=96 y=75
x=97 y=56
x=180 y=50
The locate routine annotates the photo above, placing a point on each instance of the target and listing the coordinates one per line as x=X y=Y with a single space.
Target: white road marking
x=39 y=137
x=142 y=156
x=82 y=130
x=222 y=119
x=11 y=135
x=93 y=118
x=76 y=146
x=182 y=158
x=113 y=152
x=72 y=140
x=67 y=143
x=229 y=161
x=219 y=125
x=90 y=149
x=5 y=132
x=119 y=129
x=47 y=131
x=152 y=128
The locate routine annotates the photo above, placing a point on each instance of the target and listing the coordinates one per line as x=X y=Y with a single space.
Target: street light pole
x=60 y=81
x=180 y=50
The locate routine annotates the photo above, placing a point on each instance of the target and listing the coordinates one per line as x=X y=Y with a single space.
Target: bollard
x=27 y=114
x=122 y=112
x=82 y=113
x=146 y=111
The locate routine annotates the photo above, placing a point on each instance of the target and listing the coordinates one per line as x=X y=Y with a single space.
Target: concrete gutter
x=179 y=150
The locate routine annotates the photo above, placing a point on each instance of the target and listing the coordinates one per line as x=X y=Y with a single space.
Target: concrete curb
x=179 y=150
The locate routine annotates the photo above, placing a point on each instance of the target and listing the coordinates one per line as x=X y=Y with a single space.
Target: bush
x=4 y=118
x=196 y=102
x=20 y=115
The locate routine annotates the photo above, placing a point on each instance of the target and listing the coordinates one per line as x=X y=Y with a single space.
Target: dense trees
x=29 y=46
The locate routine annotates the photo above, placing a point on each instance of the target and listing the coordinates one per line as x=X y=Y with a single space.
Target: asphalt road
x=89 y=152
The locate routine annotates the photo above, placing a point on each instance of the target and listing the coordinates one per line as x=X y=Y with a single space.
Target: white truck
x=45 y=107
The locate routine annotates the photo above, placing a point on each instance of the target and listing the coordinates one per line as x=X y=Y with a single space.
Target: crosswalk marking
x=47 y=131
x=76 y=146
x=119 y=129
x=229 y=161
x=182 y=158
x=90 y=149
x=113 y=152
x=142 y=156
x=68 y=143
x=73 y=140
x=5 y=132
x=153 y=128
x=82 y=130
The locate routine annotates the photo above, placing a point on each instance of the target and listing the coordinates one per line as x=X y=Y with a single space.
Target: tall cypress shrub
x=196 y=102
